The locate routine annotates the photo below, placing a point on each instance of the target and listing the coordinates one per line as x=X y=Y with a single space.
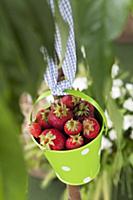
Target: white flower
x=113 y=134
x=109 y=122
x=128 y=122
x=116 y=92
x=131 y=135
x=115 y=70
x=128 y=104
x=106 y=144
x=80 y=83
x=129 y=88
x=117 y=82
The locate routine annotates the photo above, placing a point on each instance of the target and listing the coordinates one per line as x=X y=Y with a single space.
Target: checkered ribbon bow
x=69 y=62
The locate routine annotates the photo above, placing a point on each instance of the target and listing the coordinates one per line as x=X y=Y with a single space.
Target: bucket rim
x=90 y=100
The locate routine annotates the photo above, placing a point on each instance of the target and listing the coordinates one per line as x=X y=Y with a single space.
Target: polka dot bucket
x=78 y=166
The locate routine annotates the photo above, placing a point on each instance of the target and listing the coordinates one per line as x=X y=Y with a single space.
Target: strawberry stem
x=60 y=110
x=47 y=140
x=72 y=125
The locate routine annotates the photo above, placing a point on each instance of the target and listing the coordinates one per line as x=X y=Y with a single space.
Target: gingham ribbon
x=69 y=62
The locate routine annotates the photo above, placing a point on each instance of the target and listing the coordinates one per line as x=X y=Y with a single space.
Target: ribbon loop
x=69 y=62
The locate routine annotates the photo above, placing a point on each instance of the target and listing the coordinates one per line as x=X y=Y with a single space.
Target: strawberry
x=74 y=141
x=91 y=128
x=35 y=129
x=42 y=118
x=70 y=101
x=72 y=127
x=83 y=110
x=58 y=115
x=91 y=108
x=52 y=139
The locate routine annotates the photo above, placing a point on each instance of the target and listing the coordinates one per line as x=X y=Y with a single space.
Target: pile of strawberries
x=68 y=123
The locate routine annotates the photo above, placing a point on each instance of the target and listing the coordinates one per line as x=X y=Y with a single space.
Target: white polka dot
x=85 y=151
x=87 y=179
x=65 y=168
x=99 y=152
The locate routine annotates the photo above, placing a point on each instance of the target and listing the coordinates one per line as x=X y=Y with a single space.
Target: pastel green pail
x=78 y=166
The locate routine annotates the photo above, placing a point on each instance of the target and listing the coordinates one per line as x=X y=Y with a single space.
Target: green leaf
x=25 y=28
x=48 y=179
x=92 y=16
x=38 y=18
x=117 y=14
x=106 y=183
x=100 y=61
x=131 y=159
x=117 y=167
x=42 y=15
x=98 y=190
x=12 y=167
x=99 y=22
x=64 y=30
x=1 y=187
x=117 y=119
x=123 y=52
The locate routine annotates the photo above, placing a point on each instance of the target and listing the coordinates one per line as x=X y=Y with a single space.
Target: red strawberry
x=72 y=127
x=91 y=128
x=52 y=139
x=42 y=118
x=58 y=115
x=91 y=108
x=74 y=141
x=35 y=129
x=84 y=110
x=70 y=101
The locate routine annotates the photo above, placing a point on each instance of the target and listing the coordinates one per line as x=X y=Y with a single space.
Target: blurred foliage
x=23 y=32
x=25 y=26
x=53 y=192
x=123 y=53
x=98 y=23
x=115 y=180
x=117 y=118
x=12 y=168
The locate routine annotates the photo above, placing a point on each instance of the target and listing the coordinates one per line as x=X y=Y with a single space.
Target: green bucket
x=78 y=166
